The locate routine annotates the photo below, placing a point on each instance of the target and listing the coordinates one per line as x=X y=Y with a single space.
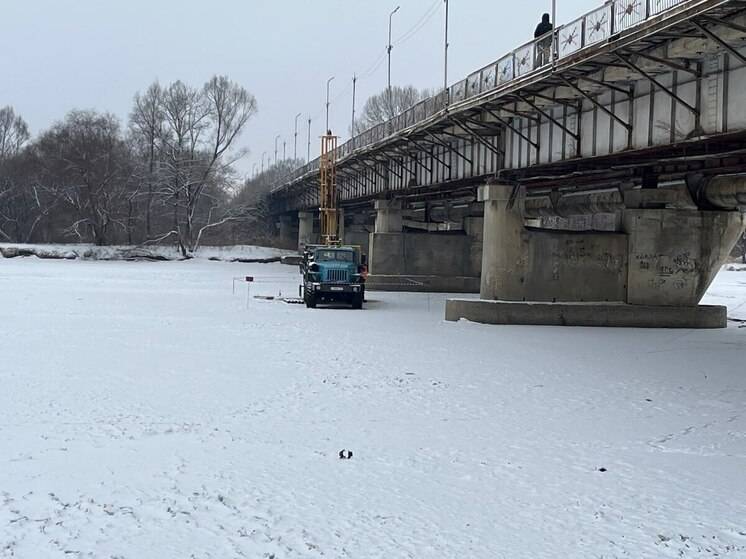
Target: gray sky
x=56 y=55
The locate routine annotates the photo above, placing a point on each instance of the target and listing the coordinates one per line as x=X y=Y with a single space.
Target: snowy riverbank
x=236 y=253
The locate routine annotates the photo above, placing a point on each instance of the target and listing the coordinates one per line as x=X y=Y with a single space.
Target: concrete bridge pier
x=306 y=235
x=287 y=228
x=357 y=230
x=402 y=259
x=653 y=273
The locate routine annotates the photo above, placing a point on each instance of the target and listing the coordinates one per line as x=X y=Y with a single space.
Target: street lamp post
x=554 y=32
x=389 y=49
x=295 y=139
x=263 y=156
x=352 y=126
x=276 y=138
x=253 y=170
x=328 y=83
x=308 y=155
x=445 y=65
x=284 y=143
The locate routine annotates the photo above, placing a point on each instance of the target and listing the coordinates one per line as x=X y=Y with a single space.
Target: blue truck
x=333 y=274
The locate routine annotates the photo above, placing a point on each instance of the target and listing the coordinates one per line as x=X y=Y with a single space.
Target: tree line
x=166 y=174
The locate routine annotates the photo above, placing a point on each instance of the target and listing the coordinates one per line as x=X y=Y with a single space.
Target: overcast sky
x=56 y=55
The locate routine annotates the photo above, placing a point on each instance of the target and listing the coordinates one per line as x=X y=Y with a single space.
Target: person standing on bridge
x=544 y=46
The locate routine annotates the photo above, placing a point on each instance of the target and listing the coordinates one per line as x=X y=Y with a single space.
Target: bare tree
x=86 y=168
x=170 y=176
x=20 y=205
x=381 y=107
x=253 y=198
x=14 y=133
x=201 y=127
x=146 y=125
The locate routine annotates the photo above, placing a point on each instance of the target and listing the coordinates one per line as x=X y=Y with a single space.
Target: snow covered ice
x=146 y=412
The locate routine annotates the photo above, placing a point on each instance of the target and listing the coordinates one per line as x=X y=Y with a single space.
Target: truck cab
x=333 y=274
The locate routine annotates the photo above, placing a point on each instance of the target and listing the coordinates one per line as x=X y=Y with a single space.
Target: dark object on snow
x=602 y=469
x=345 y=454
x=544 y=27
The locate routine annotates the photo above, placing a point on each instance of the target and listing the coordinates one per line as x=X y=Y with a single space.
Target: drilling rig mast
x=328 y=189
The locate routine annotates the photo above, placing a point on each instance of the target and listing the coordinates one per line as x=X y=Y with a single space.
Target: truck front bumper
x=331 y=289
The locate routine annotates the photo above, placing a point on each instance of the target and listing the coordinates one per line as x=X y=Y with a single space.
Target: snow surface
x=146 y=412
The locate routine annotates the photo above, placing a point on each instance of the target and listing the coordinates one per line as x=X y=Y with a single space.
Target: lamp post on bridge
x=389 y=49
x=445 y=65
x=553 y=51
x=352 y=126
x=263 y=156
x=295 y=139
x=253 y=170
x=328 y=83
x=284 y=143
x=276 y=138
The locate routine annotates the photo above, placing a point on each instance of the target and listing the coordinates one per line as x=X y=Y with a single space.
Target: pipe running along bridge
x=599 y=167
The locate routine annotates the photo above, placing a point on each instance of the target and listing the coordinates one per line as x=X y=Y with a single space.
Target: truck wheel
x=357 y=301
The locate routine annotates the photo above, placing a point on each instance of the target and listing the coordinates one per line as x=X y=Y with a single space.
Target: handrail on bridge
x=595 y=26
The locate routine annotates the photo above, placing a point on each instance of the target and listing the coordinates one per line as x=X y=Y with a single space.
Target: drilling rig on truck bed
x=331 y=271
x=328 y=190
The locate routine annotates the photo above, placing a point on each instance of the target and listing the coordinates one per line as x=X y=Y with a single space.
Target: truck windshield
x=328 y=255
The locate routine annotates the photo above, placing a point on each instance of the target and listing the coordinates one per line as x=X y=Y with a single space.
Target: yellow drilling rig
x=328 y=212
x=332 y=272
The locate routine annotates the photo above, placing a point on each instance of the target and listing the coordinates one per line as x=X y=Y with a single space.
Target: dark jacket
x=544 y=27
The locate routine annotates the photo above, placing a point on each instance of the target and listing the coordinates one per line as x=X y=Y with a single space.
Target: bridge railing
x=594 y=27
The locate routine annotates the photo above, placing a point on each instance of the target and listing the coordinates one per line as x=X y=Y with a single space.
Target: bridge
x=600 y=163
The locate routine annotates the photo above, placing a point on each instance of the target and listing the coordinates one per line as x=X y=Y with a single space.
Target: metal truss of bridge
x=640 y=92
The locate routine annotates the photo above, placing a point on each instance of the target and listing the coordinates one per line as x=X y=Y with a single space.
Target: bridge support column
x=504 y=250
x=287 y=231
x=305 y=230
x=357 y=230
x=402 y=260
x=653 y=274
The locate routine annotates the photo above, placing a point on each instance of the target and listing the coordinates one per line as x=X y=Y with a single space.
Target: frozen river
x=146 y=412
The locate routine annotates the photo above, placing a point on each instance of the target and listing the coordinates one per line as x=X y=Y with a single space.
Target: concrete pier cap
x=389 y=216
